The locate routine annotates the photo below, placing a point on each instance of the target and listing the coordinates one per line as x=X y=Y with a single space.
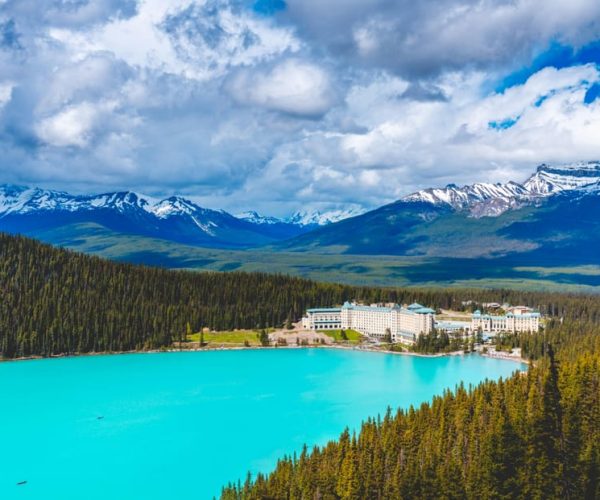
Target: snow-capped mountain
x=466 y=197
x=256 y=218
x=424 y=222
x=34 y=211
x=24 y=200
x=303 y=218
x=549 y=180
x=486 y=199
x=318 y=218
x=554 y=217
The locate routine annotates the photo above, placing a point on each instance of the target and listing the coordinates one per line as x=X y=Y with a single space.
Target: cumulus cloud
x=5 y=93
x=429 y=37
x=293 y=86
x=313 y=104
x=199 y=40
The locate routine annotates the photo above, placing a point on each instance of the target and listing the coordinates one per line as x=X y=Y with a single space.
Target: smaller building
x=326 y=318
x=491 y=305
x=517 y=320
x=456 y=328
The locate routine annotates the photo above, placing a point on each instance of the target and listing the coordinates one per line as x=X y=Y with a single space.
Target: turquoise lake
x=181 y=425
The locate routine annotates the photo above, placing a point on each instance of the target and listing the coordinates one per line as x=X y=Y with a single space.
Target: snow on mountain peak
x=549 y=179
x=120 y=201
x=318 y=218
x=21 y=199
x=463 y=197
x=175 y=205
x=486 y=199
x=256 y=218
x=479 y=199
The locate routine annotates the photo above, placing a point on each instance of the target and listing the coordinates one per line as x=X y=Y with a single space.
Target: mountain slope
x=30 y=211
x=552 y=219
x=554 y=213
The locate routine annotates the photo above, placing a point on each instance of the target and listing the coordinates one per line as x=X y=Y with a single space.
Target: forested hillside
x=55 y=301
x=533 y=436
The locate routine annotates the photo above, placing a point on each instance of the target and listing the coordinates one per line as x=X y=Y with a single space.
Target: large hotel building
x=404 y=324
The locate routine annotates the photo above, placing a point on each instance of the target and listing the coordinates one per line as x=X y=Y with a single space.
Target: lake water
x=180 y=425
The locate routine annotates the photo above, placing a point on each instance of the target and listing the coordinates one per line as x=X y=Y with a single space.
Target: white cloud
x=429 y=37
x=6 y=90
x=198 y=40
x=293 y=86
x=411 y=144
x=325 y=104
x=73 y=125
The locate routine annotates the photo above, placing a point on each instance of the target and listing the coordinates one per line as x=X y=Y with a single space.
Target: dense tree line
x=534 y=436
x=58 y=302
x=436 y=342
x=55 y=301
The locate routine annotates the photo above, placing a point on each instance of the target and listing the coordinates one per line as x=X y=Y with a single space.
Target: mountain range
x=29 y=210
x=553 y=218
x=554 y=215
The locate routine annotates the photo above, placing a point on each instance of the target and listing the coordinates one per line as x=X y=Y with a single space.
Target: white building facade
x=517 y=320
x=403 y=324
x=323 y=319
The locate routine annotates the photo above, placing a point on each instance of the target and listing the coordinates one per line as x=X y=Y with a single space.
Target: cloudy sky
x=278 y=105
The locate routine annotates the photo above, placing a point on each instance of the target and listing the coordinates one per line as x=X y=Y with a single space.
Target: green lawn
x=237 y=337
x=353 y=336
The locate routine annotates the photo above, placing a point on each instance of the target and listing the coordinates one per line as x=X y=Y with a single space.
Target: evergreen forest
x=55 y=301
x=535 y=435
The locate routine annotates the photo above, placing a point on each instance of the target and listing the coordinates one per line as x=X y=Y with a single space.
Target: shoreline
x=505 y=357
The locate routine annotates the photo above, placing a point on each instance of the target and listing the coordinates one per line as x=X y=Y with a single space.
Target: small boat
x=100 y=417
x=21 y=483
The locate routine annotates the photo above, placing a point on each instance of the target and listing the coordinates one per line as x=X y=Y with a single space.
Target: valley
x=373 y=270
x=542 y=234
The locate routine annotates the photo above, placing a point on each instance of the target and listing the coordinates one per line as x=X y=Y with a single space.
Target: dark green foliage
x=435 y=342
x=59 y=302
x=263 y=338
x=532 y=436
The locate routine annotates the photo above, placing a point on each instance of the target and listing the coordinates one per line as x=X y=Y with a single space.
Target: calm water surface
x=180 y=425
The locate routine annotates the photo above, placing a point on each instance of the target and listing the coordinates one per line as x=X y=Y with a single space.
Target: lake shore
x=492 y=355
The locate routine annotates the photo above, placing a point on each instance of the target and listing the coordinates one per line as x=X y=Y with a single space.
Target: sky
x=281 y=105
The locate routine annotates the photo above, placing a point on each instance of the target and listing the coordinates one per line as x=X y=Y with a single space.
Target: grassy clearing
x=353 y=336
x=236 y=337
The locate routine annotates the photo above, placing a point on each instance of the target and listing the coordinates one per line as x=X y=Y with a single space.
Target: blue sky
x=280 y=105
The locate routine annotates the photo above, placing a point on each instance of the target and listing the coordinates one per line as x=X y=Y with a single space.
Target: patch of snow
x=318 y=218
x=256 y=218
x=491 y=200
x=207 y=228
x=548 y=179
